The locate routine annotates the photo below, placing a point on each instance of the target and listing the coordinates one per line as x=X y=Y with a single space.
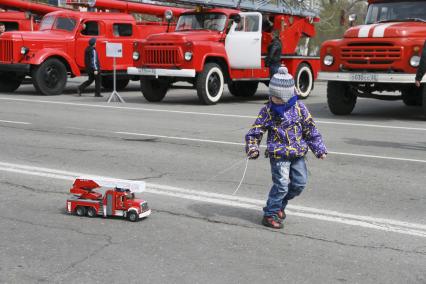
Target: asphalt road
x=362 y=218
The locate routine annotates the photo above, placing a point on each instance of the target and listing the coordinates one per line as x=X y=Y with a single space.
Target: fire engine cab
x=103 y=197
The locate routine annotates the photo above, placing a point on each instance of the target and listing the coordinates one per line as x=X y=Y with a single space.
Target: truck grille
x=6 y=50
x=371 y=55
x=161 y=55
x=144 y=207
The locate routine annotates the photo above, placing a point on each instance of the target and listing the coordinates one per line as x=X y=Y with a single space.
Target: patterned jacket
x=288 y=136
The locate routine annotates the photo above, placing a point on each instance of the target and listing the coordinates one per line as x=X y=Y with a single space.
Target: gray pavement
x=362 y=218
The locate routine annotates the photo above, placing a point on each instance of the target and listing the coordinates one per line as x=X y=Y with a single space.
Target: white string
x=242 y=179
x=225 y=170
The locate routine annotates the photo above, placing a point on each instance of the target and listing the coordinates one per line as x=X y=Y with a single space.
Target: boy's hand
x=253 y=154
x=323 y=156
x=418 y=84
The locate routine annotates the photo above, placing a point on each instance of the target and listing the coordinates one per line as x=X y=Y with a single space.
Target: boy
x=291 y=130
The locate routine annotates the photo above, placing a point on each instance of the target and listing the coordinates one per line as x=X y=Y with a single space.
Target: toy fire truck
x=103 y=197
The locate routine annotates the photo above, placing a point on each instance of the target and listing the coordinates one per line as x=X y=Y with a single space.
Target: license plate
x=148 y=71
x=364 y=77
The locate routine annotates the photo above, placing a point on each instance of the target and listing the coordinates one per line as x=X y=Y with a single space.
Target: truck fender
x=46 y=53
x=132 y=209
x=218 y=56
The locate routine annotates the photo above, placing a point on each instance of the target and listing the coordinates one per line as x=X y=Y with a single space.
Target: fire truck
x=376 y=58
x=104 y=197
x=224 y=42
x=56 y=50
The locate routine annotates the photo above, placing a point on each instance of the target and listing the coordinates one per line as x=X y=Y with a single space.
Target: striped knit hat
x=282 y=85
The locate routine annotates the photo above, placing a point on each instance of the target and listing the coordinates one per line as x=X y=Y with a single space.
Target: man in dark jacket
x=91 y=61
x=273 y=59
x=422 y=66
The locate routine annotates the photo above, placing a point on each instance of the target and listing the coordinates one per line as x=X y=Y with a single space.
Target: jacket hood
x=202 y=35
x=387 y=30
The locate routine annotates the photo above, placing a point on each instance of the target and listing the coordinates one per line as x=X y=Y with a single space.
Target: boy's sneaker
x=272 y=222
x=281 y=214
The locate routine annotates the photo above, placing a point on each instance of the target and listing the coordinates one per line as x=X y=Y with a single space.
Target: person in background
x=91 y=60
x=422 y=67
x=2 y=28
x=273 y=58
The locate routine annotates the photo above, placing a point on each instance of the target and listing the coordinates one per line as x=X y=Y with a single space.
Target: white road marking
x=14 y=122
x=251 y=117
x=243 y=144
x=382 y=224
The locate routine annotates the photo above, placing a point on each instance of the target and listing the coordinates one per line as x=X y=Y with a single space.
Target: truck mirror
x=168 y=15
x=352 y=18
x=236 y=18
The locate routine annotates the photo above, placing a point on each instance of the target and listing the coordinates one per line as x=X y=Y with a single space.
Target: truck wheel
x=133 y=216
x=154 y=90
x=412 y=96
x=80 y=211
x=10 y=81
x=91 y=212
x=340 y=99
x=243 y=89
x=50 y=77
x=108 y=83
x=210 y=84
x=304 y=80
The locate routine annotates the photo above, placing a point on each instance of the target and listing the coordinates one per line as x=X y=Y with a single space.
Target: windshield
x=401 y=11
x=201 y=21
x=58 y=23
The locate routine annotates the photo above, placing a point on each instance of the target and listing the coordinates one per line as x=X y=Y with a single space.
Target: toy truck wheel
x=80 y=211
x=304 y=80
x=50 y=77
x=91 y=212
x=10 y=81
x=154 y=90
x=340 y=98
x=243 y=89
x=210 y=84
x=108 y=83
x=132 y=216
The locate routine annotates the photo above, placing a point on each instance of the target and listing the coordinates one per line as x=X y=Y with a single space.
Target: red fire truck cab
x=102 y=197
x=212 y=47
x=380 y=56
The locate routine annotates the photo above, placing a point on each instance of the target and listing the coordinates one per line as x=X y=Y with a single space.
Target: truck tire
x=243 y=89
x=412 y=96
x=10 y=81
x=304 y=80
x=154 y=90
x=340 y=99
x=50 y=77
x=132 y=216
x=210 y=84
x=80 y=211
x=91 y=212
x=108 y=83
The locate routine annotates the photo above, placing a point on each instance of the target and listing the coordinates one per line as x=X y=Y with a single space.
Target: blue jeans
x=273 y=69
x=289 y=178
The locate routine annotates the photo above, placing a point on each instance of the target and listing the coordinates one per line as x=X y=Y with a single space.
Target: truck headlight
x=136 y=55
x=328 y=60
x=415 y=61
x=188 y=56
x=24 y=50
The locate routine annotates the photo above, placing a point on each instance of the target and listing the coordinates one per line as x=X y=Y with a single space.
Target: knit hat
x=282 y=85
x=92 y=41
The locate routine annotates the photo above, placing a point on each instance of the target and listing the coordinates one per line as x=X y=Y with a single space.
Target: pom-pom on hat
x=282 y=85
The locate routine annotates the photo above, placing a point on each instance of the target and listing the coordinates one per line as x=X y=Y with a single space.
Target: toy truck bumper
x=157 y=72
x=145 y=214
x=16 y=67
x=360 y=77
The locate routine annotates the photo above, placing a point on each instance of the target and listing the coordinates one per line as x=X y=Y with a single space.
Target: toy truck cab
x=98 y=196
x=381 y=55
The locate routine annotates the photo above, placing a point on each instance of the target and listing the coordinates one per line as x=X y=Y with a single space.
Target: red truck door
x=124 y=33
x=86 y=31
x=244 y=42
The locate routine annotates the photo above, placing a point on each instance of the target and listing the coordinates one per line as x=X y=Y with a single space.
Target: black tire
x=154 y=90
x=210 y=84
x=243 y=89
x=412 y=96
x=50 y=77
x=340 y=98
x=108 y=83
x=80 y=211
x=91 y=212
x=304 y=80
x=132 y=216
x=10 y=81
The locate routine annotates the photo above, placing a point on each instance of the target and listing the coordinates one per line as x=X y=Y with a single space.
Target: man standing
x=91 y=61
x=2 y=28
x=273 y=59
x=422 y=67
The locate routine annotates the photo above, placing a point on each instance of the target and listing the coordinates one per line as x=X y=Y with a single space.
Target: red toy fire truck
x=105 y=197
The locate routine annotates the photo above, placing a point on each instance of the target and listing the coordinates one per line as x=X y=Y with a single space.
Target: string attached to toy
x=242 y=179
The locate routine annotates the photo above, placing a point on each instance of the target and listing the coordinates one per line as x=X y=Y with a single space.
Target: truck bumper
x=189 y=73
x=145 y=214
x=359 y=77
x=16 y=67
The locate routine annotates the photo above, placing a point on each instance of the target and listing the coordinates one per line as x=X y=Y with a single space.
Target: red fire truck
x=99 y=196
x=56 y=51
x=224 y=42
x=378 y=57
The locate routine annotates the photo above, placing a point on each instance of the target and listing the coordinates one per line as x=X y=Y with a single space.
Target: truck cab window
x=11 y=26
x=248 y=24
x=90 y=29
x=122 y=30
x=65 y=23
